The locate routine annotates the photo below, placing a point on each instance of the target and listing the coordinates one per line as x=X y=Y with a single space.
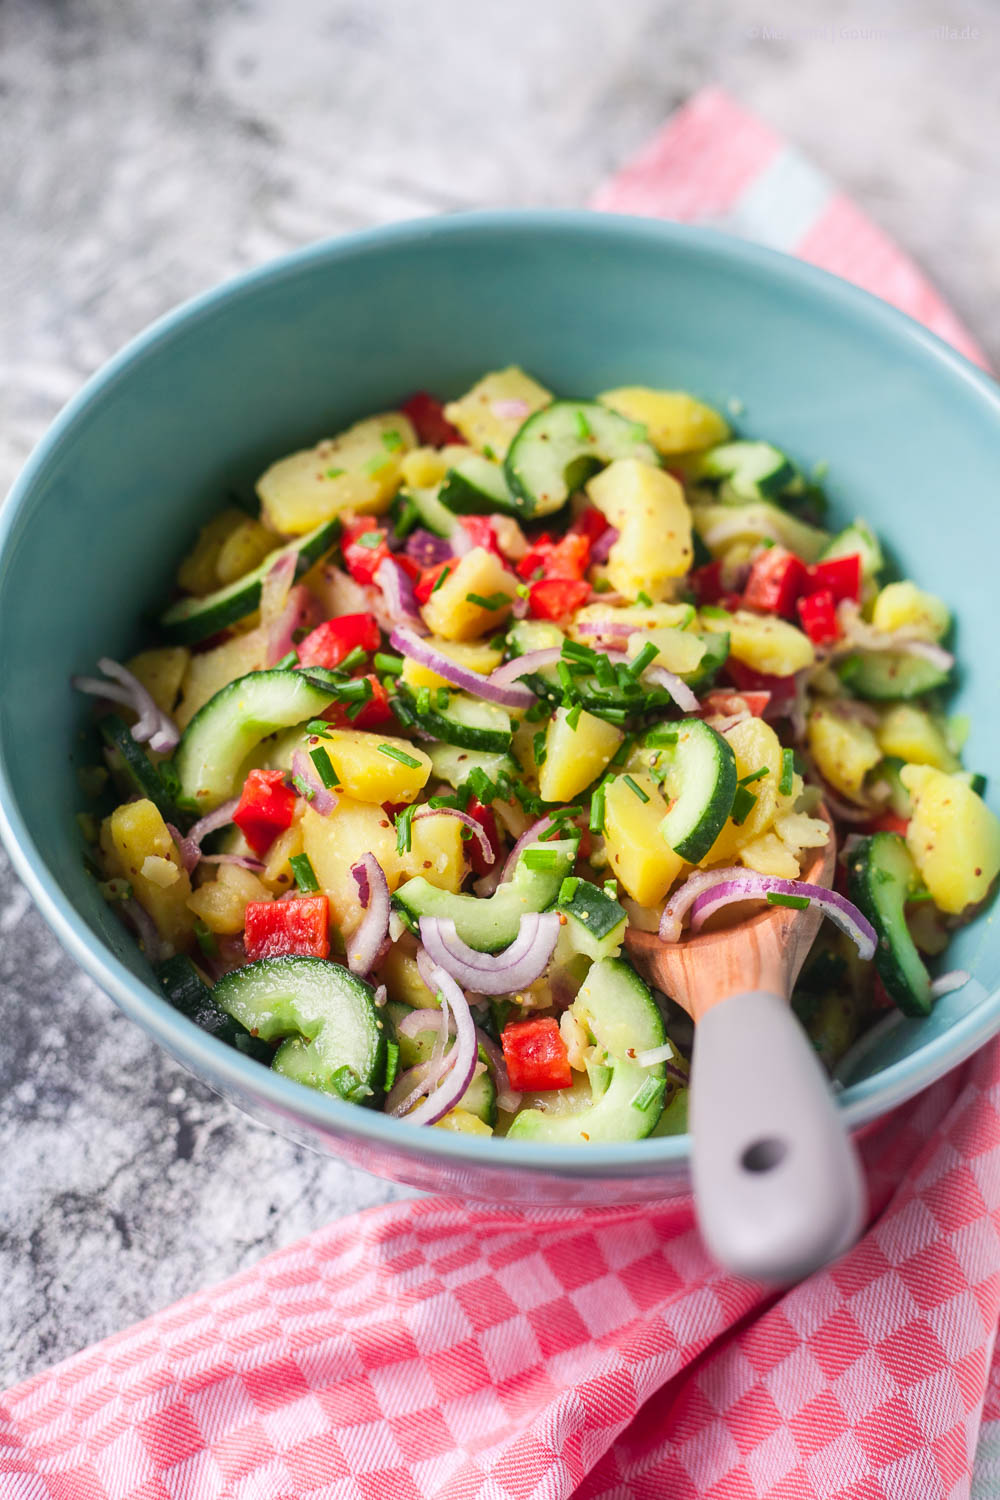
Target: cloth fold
x=435 y=1349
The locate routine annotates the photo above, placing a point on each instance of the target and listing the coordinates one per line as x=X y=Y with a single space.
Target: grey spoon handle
x=777 y=1183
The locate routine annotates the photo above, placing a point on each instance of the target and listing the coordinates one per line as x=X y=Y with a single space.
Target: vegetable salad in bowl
x=478 y=686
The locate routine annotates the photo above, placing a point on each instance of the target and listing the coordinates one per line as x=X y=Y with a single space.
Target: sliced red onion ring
x=370 y=940
x=416 y=1021
x=665 y=1054
x=513 y=408
x=186 y=847
x=464 y=678
x=427 y=549
x=507 y=1099
x=752 y=887
x=537 y=661
x=945 y=984
x=243 y=860
x=397 y=590
x=603 y=545
x=493 y=973
x=606 y=630
x=458 y=1066
x=199 y=831
x=479 y=832
x=858 y=633
x=281 y=632
x=684 y=898
x=152 y=726
x=322 y=800
x=145 y=929
x=531 y=836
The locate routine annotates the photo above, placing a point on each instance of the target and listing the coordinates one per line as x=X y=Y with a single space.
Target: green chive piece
x=318 y=726
x=538 y=748
x=356 y=690
x=392 y=440
x=634 y=786
x=423 y=700
x=778 y=898
x=660 y=737
x=567 y=890
x=394 y=753
x=303 y=788
x=482 y=785
x=754 y=775
x=488 y=452
x=353 y=659
x=575 y=650
x=404 y=821
x=288 y=660
x=494 y=602
x=404 y=516
x=743 y=805
x=787 y=773
x=303 y=871
x=442 y=697
x=391 y=1064
x=324 y=767
x=205 y=939
x=540 y=859
x=389 y=664
x=566 y=681
x=646 y=657
x=335 y=473
x=439 y=580
x=596 y=824
x=651 y=1090
x=369 y=539
x=643 y=598
x=583 y=428
x=573 y=717
x=604 y=672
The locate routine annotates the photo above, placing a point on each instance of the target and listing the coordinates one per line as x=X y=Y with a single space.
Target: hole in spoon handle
x=777 y=1185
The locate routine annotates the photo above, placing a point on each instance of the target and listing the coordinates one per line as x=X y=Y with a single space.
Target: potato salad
x=469 y=689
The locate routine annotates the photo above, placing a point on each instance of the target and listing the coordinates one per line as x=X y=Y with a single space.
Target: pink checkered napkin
x=433 y=1349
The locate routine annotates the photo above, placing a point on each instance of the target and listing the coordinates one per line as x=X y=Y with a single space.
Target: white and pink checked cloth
x=437 y=1349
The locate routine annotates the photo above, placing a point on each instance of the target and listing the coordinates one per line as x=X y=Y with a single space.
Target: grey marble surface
x=150 y=150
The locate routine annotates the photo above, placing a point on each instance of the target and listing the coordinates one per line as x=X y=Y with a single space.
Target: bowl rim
x=204 y=1054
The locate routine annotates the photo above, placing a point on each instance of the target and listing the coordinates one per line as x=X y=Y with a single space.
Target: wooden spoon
x=777 y=1185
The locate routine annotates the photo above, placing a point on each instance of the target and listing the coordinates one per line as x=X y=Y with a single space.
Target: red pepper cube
x=329 y=643
x=818 y=614
x=486 y=819
x=480 y=532
x=590 y=523
x=373 y=714
x=428 y=418
x=365 y=549
x=841 y=575
x=568 y=558
x=706 y=583
x=428 y=580
x=265 y=809
x=778 y=692
x=777 y=581
x=276 y=929
x=555 y=598
x=536 y=1056
x=534 y=559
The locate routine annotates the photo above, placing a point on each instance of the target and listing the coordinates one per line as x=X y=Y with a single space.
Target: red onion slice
x=199 y=831
x=145 y=930
x=186 y=847
x=479 y=832
x=685 y=895
x=515 y=968
x=370 y=940
x=281 y=631
x=322 y=799
x=461 y=677
x=416 y=1021
x=606 y=630
x=603 y=545
x=752 y=887
x=243 y=860
x=152 y=726
x=507 y=1099
x=397 y=590
x=859 y=634
x=427 y=549
x=459 y=1065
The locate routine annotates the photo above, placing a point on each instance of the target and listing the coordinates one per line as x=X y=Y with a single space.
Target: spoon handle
x=777 y=1185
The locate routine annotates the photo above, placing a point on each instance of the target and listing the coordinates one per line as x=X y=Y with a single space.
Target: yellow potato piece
x=575 y=756
x=953 y=836
x=769 y=855
x=277 y=873
x=640 y=856
x=208 y=671
x=677 y=650
x=335 y=843
x=449 y=612
x=359 y=470
x=487 y=417
x=222 y=903
x=675 y=420
x=902 y=606
x=463 y=1122
x=197 y=574
x=754 y=744
x=648 y=508
x=437 y=851
x=399 y=973
x=764 y=642
x=368 y=772
x=844 y=749
x=135 y=833
x=911 y=733
x=244 y=548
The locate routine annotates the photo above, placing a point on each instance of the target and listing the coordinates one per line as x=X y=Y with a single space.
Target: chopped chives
x=743 y=805
x=439 y=580
x=335 y=473
x=778 y=898
x=612 y=715
x=305 y=875
x=787 y=773
x=754 y=775
x=423 y=700
x=634 y=786
x=442 y=698
x=660 y=737
x=596 y=823
x=389 y=664
x=621 y=755
x=391 y=1064
x=565 y=678
x=405 y=517
x=540 y=859
x=493 y=602
x=394 y=753
x=573 y=717
x=404 y=821
x=651 y=1089
x=205 y=939
x=370 y=539
x=288 y=660
x=318 y=726
x=604 y=672
x=353 y=659
x=498 y=642
x=392 y=441
x=324 y=767
x=356 y=690
x=303 y=788
x=643 y=598
x=537 y=711
x=646 y=657
x=583 y=428
x=568 y=889
x=488 y=452
x=576 y=650
x=538 y=748
x=610 y=889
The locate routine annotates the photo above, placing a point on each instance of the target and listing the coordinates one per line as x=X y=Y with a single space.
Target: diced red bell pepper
x=427 y=415
x=265 y=809
x=841 y=575
x=887 y=822
x=591 y=523
x=533 y=560
x=486 y=819
x=780 y=690
x=719 y=703
x=708 y=587
x=881 y=999
x=555 y=598
x=373 y=715
x=567 y=558
x=363 y=558
x=300 y=925
x=329 y=643
x=778 y=579
x=481 y=533
x=427 y=582
x=818 y=614
x=536 y=1056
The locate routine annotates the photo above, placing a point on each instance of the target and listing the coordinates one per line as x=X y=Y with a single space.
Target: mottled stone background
x=149 y=150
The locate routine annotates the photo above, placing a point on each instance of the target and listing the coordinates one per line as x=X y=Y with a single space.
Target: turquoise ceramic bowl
x=209 y=395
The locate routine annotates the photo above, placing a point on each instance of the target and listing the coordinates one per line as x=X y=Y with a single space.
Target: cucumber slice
x=889 y=674
x=533 y=635
x=595 y=921
x=476 y=486
x=857 y=539
x=471 y=723
x=188 y=993
x=327 y=1012
x=888 y=770
x=191 y=620
x=131 y=764
x=716 y=655
x=719 y=526
x=620 y=1013
x=558 y=448
x=975 y=780
x=491 y=923
x=452 y=764
x=433 y=516
x=674 y=1119
x=222 y=735
x=882 y=875
x=698 y=772
x=750 y=470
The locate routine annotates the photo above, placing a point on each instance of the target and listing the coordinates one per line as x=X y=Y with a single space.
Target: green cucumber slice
x=476 y=486
x=750 y=470
x=188 y=993
x=453 y=764
x=716 y=645
x=558 y=448
x=433 y=516
x=491 y=923
x=225 y=732
x=470 y=723
x=326 y=1012
x=620 y=1013
x=192 y=620
x=533 y=635
x=480 y=1098
x=881 y=877
x=138 y=772
x=879 y=675
x=595 y=921
x=698 y=772
x=858 y=539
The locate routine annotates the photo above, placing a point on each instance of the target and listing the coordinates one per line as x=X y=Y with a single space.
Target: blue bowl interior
x=201 y=403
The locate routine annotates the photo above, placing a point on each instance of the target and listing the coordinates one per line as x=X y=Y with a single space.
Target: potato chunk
x=368 y=772
x=134 y=834
x=640 y=856
x=574 y=756
x=358 y=470
x=648 y=508
x=675 y=420
x=490 y=414
x=902 y=606
x=764 y=642
x=451 y=613
x=844 y=749
x=953 y=836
